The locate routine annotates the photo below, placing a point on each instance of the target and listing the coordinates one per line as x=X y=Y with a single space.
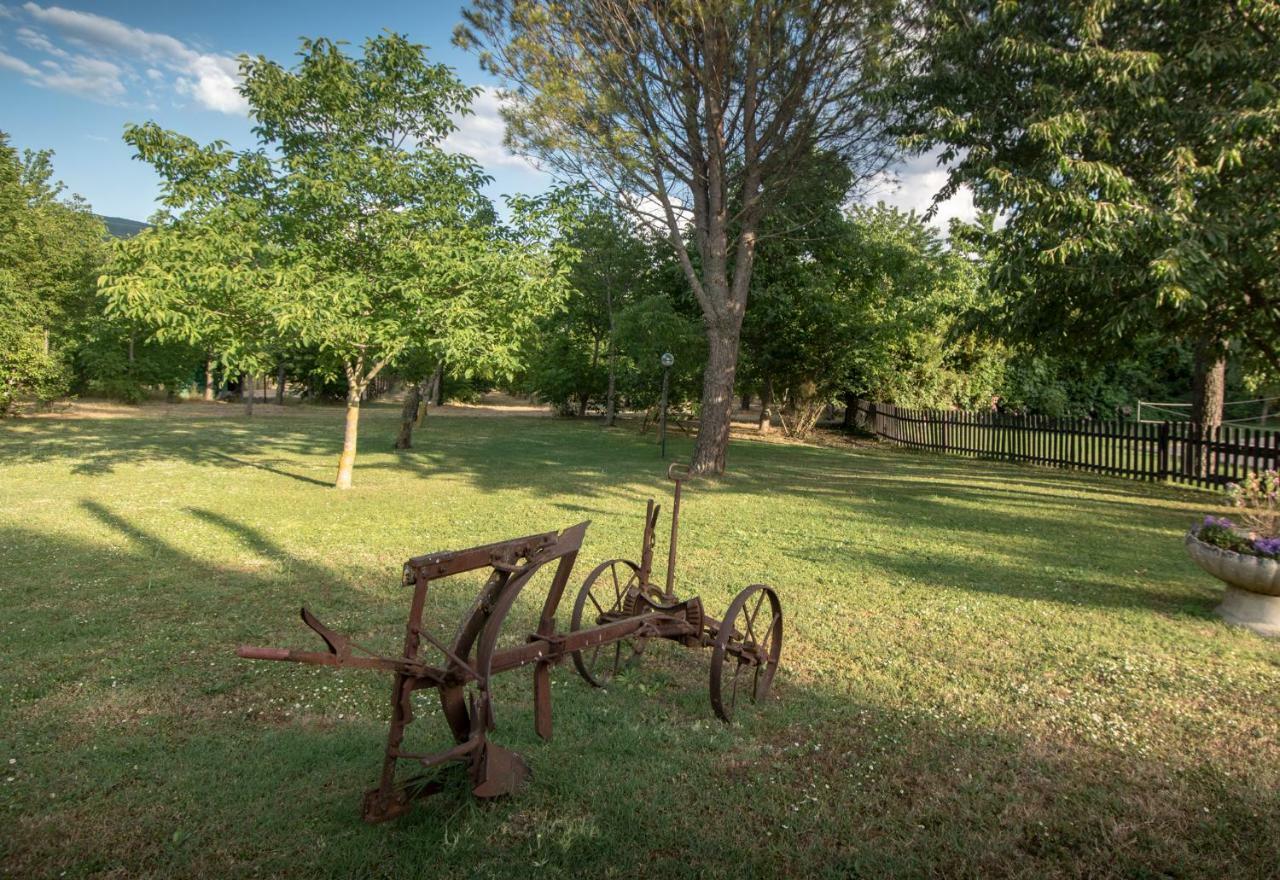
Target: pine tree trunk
x=348 y=459
x=717 y=400
x=766 y=407
x=208 y=378
x=246 y=393
x=409 y=414
x=280 y=383
x=1209 y=390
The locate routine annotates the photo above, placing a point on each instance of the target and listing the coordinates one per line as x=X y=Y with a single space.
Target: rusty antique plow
x=616 y=612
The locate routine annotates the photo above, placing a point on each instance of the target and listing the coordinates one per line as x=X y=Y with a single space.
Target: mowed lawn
x=988 y=670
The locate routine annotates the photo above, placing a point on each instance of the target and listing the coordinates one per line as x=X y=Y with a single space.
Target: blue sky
x=71 y=78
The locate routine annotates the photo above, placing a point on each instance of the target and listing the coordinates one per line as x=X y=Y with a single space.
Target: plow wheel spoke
x=747 y=647
x=604 y=596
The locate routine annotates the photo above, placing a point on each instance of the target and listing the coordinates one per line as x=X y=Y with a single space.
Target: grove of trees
x=715 y=166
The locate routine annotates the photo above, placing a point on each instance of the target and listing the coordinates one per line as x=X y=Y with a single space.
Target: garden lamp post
x=666 y=360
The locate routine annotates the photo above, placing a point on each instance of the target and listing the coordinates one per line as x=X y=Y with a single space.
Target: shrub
x=28 y=370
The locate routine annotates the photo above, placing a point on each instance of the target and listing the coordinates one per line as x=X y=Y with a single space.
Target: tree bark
x=610 y=416
x=717 y=400
x=746 y=400
x=1209 y=390
x=347 y=461
x=766 y=407
x=429 y=396
x=409 y=413
x=208 y=378
x=246 y=392
x=850 y=411
x=280 y=382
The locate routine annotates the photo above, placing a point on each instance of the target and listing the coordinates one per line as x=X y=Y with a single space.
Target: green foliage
x=700 y=118
x=1082 y=387
x=866 y=302
x=348 y=230
x=1130 y=149
x=647 y=329
x=27 y=369
x=121 y=363
x=614 y=267
x=50 y=248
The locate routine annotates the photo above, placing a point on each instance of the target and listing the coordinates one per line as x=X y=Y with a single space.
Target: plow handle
x=249 y=652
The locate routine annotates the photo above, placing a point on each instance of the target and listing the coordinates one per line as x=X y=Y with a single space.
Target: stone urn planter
x=1253 y=585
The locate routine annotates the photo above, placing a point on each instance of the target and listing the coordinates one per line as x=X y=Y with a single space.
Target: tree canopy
x=1131 y=150
x=695 y=115
x=50 y=249
x=348 y=228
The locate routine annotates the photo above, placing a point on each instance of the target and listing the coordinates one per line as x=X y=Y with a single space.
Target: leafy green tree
x=867 y=302
x=50 y=250
x=613 y=267
x=698 y=115
x=1132 y=150
x=348 y=229
x=651 y=326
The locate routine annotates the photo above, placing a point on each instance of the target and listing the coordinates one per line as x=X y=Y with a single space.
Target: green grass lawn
x=988 y=670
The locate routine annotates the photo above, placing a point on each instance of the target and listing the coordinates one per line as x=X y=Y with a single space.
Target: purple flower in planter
x=1267 y=546
x=1220 y=522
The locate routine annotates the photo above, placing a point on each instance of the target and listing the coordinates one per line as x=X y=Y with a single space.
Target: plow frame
x=473 y=656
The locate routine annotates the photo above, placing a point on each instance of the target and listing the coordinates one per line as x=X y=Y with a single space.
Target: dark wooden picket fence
x=1179 y=451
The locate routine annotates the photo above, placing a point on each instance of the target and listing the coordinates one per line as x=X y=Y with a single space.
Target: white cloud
x=480 y=134
x=39 y=42
x=17 y=65
x=214 y=85
x=91 y=77
x=917 y=182
x=108 y=55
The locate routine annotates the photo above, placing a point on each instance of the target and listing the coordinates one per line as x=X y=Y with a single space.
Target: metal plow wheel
x=617 y=611
x=609 y=593
x=747 y=647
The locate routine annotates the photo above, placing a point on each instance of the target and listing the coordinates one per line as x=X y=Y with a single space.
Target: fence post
x=1162 y=457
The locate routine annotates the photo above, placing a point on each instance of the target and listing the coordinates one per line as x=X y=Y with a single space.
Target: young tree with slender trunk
x=355 y=232
x=698 y=115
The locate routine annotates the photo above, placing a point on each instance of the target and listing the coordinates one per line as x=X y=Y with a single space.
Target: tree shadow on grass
x=185 y=767
x=97 y=447
x=972 y=506
x=272 y=467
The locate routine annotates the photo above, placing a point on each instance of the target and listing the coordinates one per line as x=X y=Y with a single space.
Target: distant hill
x=122 y=228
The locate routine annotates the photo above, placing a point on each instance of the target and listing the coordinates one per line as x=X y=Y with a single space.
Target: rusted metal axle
x=617 y=610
